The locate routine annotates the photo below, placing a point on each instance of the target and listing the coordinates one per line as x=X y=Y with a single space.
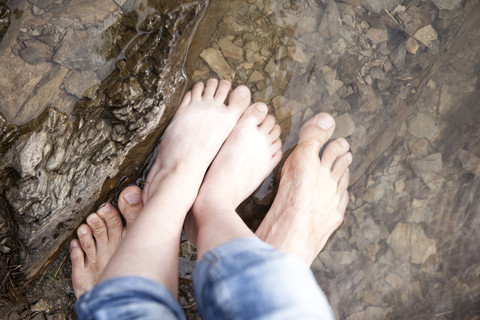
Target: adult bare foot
x=312 y=194
x=99 y=238
x=250 y=153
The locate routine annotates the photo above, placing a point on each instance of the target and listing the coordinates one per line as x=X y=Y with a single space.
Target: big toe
x=317 y=131
x=130 y=203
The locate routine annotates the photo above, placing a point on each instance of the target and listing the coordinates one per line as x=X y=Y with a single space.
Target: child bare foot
x=249 y=154
x=194 y=136
x=191 y=141
x=100 y=237
x=312 y=195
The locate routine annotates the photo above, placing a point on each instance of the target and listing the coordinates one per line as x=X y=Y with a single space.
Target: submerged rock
x=58 y=167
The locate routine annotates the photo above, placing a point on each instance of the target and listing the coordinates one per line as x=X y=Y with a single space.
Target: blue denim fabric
x=249 y=279
x=128 y=298
x=242 y=279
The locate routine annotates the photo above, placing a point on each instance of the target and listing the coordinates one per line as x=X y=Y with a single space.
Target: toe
x=223 y=89
x=317 y=131
x=187 y=98
x=99 y=229
x=77 y=256
x=210 y=88
x=130 y=203
x=113 y=222
x=79 y=276
x=275 y=133
x=343 y=182
x=333 y=150
x=239 y=99
x=276 y=146
x=256 y=113
x=342 y=205
x=87 y=242
x=340 y=165
x=267 y=125
x=197 y=91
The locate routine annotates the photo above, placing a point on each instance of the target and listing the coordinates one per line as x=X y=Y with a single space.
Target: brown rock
x=426 y=35
x=215 y=60
x=230 y=50
x=377 y=35
x=411 y=45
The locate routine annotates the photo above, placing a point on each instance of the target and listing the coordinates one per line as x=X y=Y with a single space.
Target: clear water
x=408 y=246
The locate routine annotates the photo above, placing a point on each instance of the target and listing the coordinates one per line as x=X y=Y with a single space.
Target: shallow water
x=408 y=246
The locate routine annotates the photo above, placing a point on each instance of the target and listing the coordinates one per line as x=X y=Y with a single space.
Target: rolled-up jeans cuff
x=128 y=298
x=249 y=279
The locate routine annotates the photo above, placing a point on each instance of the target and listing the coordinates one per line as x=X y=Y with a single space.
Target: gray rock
x=377 y=6
x=422 y=126
x=76 y=82
x=430 y=163
x=88 y=56
x=447 y=4
x=344 y=126
x=470 y=161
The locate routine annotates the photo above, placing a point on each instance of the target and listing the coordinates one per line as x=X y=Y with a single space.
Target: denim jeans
x=242 y=279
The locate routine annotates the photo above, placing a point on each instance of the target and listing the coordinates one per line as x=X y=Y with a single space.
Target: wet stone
x=215 y=60
x=422 y=126
x=377 y=6
x=426 y=35
x=76 y=82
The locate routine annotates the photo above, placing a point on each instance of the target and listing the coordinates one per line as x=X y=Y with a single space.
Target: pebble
x=378 y=6
x=345 y=126
x=447 y=4
x=377 y=35
x=422 y=126
x=426 y=35
x=411 y=45
x=230 y=50
x=215 y=60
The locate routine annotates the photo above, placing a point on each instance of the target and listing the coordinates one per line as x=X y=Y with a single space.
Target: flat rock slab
x=57 y=167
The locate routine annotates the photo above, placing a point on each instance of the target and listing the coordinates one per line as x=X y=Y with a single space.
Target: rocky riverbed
x=401 y=78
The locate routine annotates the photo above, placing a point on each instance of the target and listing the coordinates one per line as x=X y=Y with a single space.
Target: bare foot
x=312 y=195
x=250 y=153
x=100 y=237
x=191 y=141
x=194 y=136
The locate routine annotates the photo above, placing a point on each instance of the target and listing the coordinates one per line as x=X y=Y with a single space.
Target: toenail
x=349 y=157
x=74 y=244
x=325 y=122
x=261 y=107
x=344 y=142
x=132 y=197
x=106 y=208
x=83 y=231
x=93 y=219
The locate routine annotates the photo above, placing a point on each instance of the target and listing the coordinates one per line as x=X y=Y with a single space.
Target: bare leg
x=250 y=153
x=100 y=237
x=312 y=195
x=188 y=146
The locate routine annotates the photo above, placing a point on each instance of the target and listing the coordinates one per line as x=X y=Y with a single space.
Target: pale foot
x=312 y=194
x=100 y=237
x=250 y=153
x=193 y=138
x=191 y=141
